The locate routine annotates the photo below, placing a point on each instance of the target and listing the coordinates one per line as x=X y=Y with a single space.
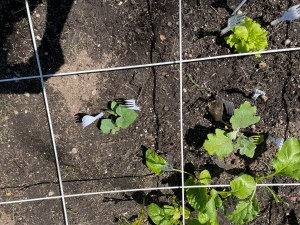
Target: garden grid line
x=181 y=61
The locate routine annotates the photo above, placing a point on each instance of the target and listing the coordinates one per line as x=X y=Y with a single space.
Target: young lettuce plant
x=120 y=117
x=207 y=202
x=222 y=143
x=248 y=37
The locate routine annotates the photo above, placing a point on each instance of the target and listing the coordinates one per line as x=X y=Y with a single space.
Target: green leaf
x=233 y=134
x=154 y=162
x=107 y=125
x=113 y=106
x=242 y=32
x=248 y=37
x=203 y=218
x=246 y=146
x=211 y=208
x=176 y=214
x=244 y=116
x=197 y=198
x=218 y=144
x=287 y=159
x=205 y=177
x=127 y=117
x=244 y=212
x=165 y=215
x=161 y=216
x=243 y=186
x=187 y=212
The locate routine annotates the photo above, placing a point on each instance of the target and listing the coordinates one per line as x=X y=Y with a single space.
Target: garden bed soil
x=85 y=35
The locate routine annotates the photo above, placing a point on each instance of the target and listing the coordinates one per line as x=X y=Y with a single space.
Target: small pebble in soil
x=37 y=15
x=169 y=24
x=74 y=150
x=262 y=65
x=26 y=94
x=16 y=112
x=264 y=98
x=287 y=42
x=51 y=193
x=162 y=37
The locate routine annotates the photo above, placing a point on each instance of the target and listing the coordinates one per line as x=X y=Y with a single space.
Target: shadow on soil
x=15 y=11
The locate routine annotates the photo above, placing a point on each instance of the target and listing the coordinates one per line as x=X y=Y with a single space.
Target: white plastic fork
x=257 y=93
x=291 y=14
x=238 y=7
x=131 y=104
x=88 y=120
x=229 y=106
x=232 y=23
x=277 y=141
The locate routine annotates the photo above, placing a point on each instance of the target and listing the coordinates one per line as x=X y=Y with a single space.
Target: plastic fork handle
x=225 y=30
x=274 y=22
x=238 y=7
x=99 y=115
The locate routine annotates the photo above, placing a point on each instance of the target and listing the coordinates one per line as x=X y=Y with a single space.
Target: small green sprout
x=222 y=143
x=248 y=37
x=120 y=117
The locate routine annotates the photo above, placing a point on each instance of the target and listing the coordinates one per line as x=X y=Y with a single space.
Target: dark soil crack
x=154 y=94
x=285 y=104
x=270 y=213
x=107 y=178
x=26 y=186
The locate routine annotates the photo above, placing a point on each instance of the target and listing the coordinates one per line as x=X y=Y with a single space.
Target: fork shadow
x=78 y=117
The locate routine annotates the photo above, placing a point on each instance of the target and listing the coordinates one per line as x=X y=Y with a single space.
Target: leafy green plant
x=248 y=37
x=120 y=117
x=167 y=214
x=207 y=202
x=222 y=143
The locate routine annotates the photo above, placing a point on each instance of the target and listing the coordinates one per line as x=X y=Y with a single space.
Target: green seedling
x=222 y=143
x=167 y=214
x=248 y=37
x=121 y=117
x=207 y=202
x=140 y=220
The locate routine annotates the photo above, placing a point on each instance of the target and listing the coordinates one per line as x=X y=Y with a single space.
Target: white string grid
x=48 y=113
x=181 y=61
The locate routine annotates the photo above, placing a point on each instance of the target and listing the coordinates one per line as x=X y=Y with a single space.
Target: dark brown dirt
x=91 y=34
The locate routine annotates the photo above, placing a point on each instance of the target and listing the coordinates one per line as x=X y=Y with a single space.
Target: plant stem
x=178 y=170
x=269 y=176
